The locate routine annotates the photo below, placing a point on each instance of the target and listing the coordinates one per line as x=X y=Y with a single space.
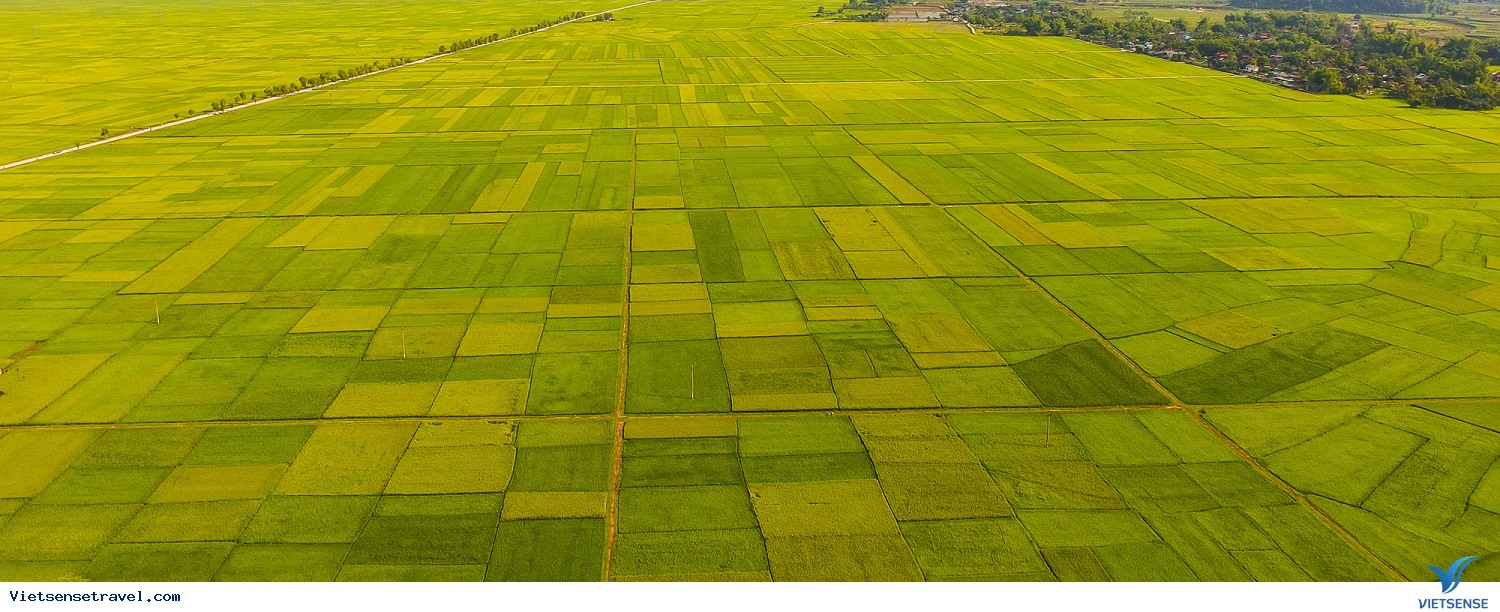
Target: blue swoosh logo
x=1451 y=576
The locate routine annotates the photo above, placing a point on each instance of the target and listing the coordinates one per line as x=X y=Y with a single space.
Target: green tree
x=1325 y=80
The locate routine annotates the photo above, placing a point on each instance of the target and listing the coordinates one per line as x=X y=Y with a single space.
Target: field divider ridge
x=617 y=461
x=351 y=420
x=1189 y=201
x=522 y=418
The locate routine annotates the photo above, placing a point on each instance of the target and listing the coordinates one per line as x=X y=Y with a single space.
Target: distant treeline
x=327 y=77
x=1315 y=51
x=863 y=10
x=1349 y=6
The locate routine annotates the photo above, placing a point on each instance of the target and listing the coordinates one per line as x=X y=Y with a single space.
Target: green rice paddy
x=722 y=291
x=76 y=67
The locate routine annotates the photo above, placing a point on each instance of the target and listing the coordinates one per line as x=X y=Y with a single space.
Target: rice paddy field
x=721 y=291
x=76 y=67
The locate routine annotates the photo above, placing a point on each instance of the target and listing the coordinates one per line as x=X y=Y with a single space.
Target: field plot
x=724 y=292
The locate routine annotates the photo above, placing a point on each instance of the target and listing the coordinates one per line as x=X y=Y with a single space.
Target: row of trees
x=302 y=83
x=1314 y=51
x=862 y=10
x=1429 y=7
x=459 y=45
x=573 y=16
